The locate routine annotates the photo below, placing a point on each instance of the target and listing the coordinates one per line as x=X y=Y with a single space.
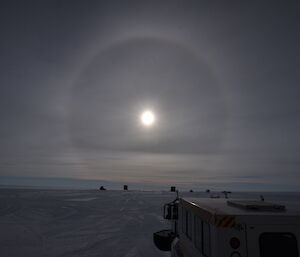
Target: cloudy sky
x=221 y=78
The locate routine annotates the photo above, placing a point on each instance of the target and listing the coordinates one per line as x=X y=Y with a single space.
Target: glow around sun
x=147 y=118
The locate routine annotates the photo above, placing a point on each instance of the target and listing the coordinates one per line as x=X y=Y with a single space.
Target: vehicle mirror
x=167 y=211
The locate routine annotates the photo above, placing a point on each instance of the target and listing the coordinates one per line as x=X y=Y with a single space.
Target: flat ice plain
x=63 y=223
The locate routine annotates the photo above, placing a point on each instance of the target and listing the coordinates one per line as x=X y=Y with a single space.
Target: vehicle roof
x=221 y=207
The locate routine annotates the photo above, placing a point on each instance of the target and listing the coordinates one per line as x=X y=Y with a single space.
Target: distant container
x=125 y=187
x=173 y=189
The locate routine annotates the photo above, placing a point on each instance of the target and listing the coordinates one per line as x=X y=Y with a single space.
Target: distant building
x=173 y=189
x=226 y=193
x=125 y=187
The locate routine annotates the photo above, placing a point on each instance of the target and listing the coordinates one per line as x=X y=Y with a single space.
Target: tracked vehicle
x=230 y=228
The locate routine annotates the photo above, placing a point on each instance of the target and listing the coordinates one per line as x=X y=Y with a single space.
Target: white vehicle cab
x=230 y=228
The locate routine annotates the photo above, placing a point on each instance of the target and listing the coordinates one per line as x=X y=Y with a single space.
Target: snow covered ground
x=89 y=223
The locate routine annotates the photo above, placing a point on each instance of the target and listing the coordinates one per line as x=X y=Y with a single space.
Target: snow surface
x=62 y=223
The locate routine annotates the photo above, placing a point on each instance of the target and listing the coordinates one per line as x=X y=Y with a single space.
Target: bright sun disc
x=147 y=118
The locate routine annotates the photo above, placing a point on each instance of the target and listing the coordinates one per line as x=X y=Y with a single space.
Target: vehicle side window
x=198 y=233
x=278 y=245
x=206 y=239
x=183 y=214
x=188 y=220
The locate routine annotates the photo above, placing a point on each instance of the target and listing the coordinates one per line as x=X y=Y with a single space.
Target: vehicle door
x=272 y=240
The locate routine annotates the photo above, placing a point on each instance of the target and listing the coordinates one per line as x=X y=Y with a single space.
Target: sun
x=147 y=118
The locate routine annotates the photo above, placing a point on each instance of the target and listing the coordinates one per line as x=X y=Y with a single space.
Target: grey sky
x=222 y=78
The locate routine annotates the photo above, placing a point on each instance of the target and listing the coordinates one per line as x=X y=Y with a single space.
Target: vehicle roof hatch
x=255 y=205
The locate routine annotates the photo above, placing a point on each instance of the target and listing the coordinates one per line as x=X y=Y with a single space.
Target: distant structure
x=125 y=187
x=226 y=193
x=173 y=189
x=102 y=188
